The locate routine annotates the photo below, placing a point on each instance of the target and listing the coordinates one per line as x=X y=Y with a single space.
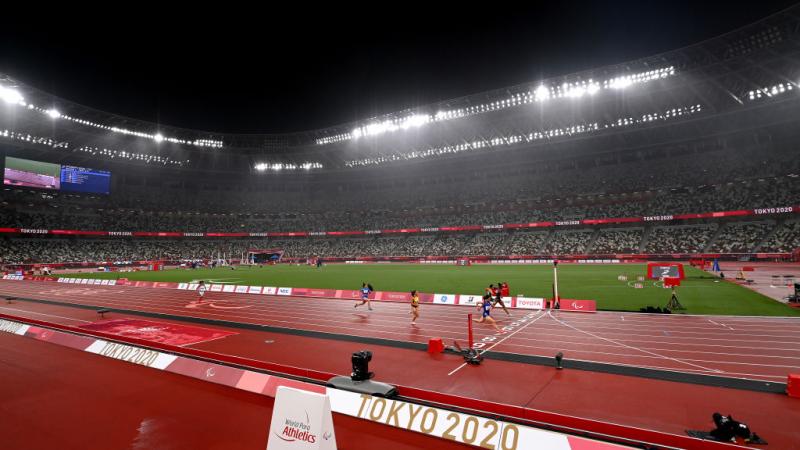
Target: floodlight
x=542 y=93
x=576 y=92
x=158 y=137
x=418 y=120
x=11 y=96
x=53 y=113
x=621 y=83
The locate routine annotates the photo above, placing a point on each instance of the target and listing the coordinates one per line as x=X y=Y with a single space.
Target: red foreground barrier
x=793 y=385
x=435 y=345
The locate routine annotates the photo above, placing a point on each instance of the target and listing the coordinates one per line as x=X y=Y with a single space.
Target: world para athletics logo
x=295 y=430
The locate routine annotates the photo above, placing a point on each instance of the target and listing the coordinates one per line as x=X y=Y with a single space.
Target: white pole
x=555 y=283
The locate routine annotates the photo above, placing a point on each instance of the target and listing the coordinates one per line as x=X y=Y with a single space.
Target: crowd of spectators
x=21 y=213
x=566 y=242
x=785 y=239
x=618 y=241
x=680 y=239
x=694 y=183
x=740 y=237
x=690 y=184
x=662 y=239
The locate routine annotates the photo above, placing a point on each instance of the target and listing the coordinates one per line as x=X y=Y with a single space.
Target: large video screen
x=34 y=174
x=42 y=175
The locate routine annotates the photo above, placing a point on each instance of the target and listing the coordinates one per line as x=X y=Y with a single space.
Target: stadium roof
x=735 y=70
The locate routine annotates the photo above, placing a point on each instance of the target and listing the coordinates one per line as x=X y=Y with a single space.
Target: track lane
x=754 y=348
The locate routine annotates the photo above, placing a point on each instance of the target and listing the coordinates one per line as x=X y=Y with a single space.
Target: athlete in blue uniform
x=486 y=313
x=365 y=291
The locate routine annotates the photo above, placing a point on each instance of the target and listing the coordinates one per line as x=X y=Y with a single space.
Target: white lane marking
x=632 y=347
x=43 y=314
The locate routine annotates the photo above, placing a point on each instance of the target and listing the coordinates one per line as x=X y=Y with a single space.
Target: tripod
x=674 y=303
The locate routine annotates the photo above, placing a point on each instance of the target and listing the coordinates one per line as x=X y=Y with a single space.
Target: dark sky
x=309 y=66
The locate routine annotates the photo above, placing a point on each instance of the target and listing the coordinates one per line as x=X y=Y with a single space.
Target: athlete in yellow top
x=414 y=306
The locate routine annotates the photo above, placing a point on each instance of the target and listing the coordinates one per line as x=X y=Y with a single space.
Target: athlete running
x=486 y=313
x=414 y=307
x=365 y=291
x=201 y=291
x=498 y=297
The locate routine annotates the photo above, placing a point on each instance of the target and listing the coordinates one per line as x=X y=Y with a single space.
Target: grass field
x=700 y=293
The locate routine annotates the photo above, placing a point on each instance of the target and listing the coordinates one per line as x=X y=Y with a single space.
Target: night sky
x=310 y=66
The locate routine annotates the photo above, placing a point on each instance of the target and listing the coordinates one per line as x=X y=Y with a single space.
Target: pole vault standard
x=556 y=300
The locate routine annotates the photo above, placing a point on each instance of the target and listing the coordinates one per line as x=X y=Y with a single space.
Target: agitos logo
x=294 y=430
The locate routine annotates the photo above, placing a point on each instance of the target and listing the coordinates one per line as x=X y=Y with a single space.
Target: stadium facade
x=689 y=152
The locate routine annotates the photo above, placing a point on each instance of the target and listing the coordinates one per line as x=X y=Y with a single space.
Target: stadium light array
x=52 y=143
x=131 y=156
x=277 y=167
x=13 y=96
x=31 y=139
x=541 y=93
x=530 y=137
x=770 y=91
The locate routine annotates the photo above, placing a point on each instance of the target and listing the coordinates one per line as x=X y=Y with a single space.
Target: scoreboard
x=656 y=271
x=81 y=179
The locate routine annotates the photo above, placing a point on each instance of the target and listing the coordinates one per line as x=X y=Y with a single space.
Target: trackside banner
x=529 y=303
x=589 y=306
x=454 y=426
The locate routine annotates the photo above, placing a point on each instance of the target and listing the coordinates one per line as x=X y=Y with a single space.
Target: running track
x=765 y=349
x=58 y=398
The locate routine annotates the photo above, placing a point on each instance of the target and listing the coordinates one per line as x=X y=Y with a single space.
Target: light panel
x=531 y=137
x=542 y=93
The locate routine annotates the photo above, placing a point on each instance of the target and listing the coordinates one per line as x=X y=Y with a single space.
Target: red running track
x=56 y=397
x=759 y=348
x=663 y=406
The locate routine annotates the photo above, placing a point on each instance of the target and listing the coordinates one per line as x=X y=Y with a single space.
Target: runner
x=498 y=298
x=365 y=291
x=414 y=307
x=201 y=291
x=486 y=308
